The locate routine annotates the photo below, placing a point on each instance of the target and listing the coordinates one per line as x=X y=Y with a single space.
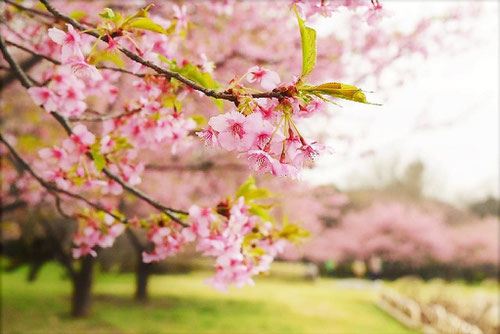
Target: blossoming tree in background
x=136 y=85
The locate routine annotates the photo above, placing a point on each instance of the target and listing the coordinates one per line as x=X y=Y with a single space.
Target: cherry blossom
x=44 y=97
x=266 y=78
x=70 y=42
x=83 y=70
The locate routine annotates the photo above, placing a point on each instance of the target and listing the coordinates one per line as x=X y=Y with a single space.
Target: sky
x=457 y=94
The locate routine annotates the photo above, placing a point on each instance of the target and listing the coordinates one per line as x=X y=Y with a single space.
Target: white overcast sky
x=462 y=158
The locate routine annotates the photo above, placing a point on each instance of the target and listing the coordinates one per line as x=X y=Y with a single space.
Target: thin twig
x=29 y=10
x=57 y=62
x=104 y=117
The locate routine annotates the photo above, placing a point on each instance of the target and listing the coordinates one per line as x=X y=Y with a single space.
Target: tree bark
x=142 y=277
x=143 y=270
x=82 y=288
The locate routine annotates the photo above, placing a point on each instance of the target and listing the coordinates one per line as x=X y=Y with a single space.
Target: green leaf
x=172 y=102
x=78 y=15
x=199 y=119
x=203 y=78
x=219 y=104
x=256 y=251
x=260 y=211
x=192 y=72
x=293 y=232
x=308 y=39
x=101 y=55
x=146 y=24
x=98 y=158
x=246 y=187
x=165 y=60
x=250 y=191
x=340 y=90
x=122 y=143
x=29 y=143
x=108 y=14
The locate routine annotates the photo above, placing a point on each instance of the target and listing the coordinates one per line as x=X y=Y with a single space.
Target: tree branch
x=101 y=118
x=57 y=62
x=29 y=10
x=202 y=166
x=158 y=69
x=12 y=206
x=51 y=187
x=67 y=127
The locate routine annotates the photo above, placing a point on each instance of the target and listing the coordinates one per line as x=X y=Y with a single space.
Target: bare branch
x=101 y=118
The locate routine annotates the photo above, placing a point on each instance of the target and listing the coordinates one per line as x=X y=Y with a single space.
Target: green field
x=184 y=304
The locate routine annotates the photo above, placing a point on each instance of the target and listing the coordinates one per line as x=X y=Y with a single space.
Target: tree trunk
x=142 y=276
x=82 y=289
x=142 y=271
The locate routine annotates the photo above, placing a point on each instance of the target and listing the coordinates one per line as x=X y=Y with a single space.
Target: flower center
x=237 y=130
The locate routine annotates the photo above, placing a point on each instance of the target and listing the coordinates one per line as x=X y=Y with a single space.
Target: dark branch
x=12 y=206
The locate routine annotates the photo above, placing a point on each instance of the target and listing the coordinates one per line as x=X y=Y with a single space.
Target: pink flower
x=107 y=144
x=376 y=13
x=152 y=257
x=43 y=96
x=201 y=220
x=234 y=130
x=268 y=109
x=209 y=137
x=261 y=161
x=283 y=169
x=266 y=78
x=308 y=152
x=70 y=42
x=158 y=234
x=84 y=70
x=55 y=152
x=180 y=13
x=83 y=136
x=82 y=251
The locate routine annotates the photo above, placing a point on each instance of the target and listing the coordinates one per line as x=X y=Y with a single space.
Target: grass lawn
x=184 y=304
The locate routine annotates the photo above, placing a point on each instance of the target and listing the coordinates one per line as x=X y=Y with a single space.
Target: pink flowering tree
x=409 y=237
x=127 y=93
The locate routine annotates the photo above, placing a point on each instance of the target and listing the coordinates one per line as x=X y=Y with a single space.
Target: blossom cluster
x=65 y=88
x=267 y=135
x=95 y=229
x=72 y=54
x=371 y=12
x=70 y=165
x=242 y=243
x=153 y=120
